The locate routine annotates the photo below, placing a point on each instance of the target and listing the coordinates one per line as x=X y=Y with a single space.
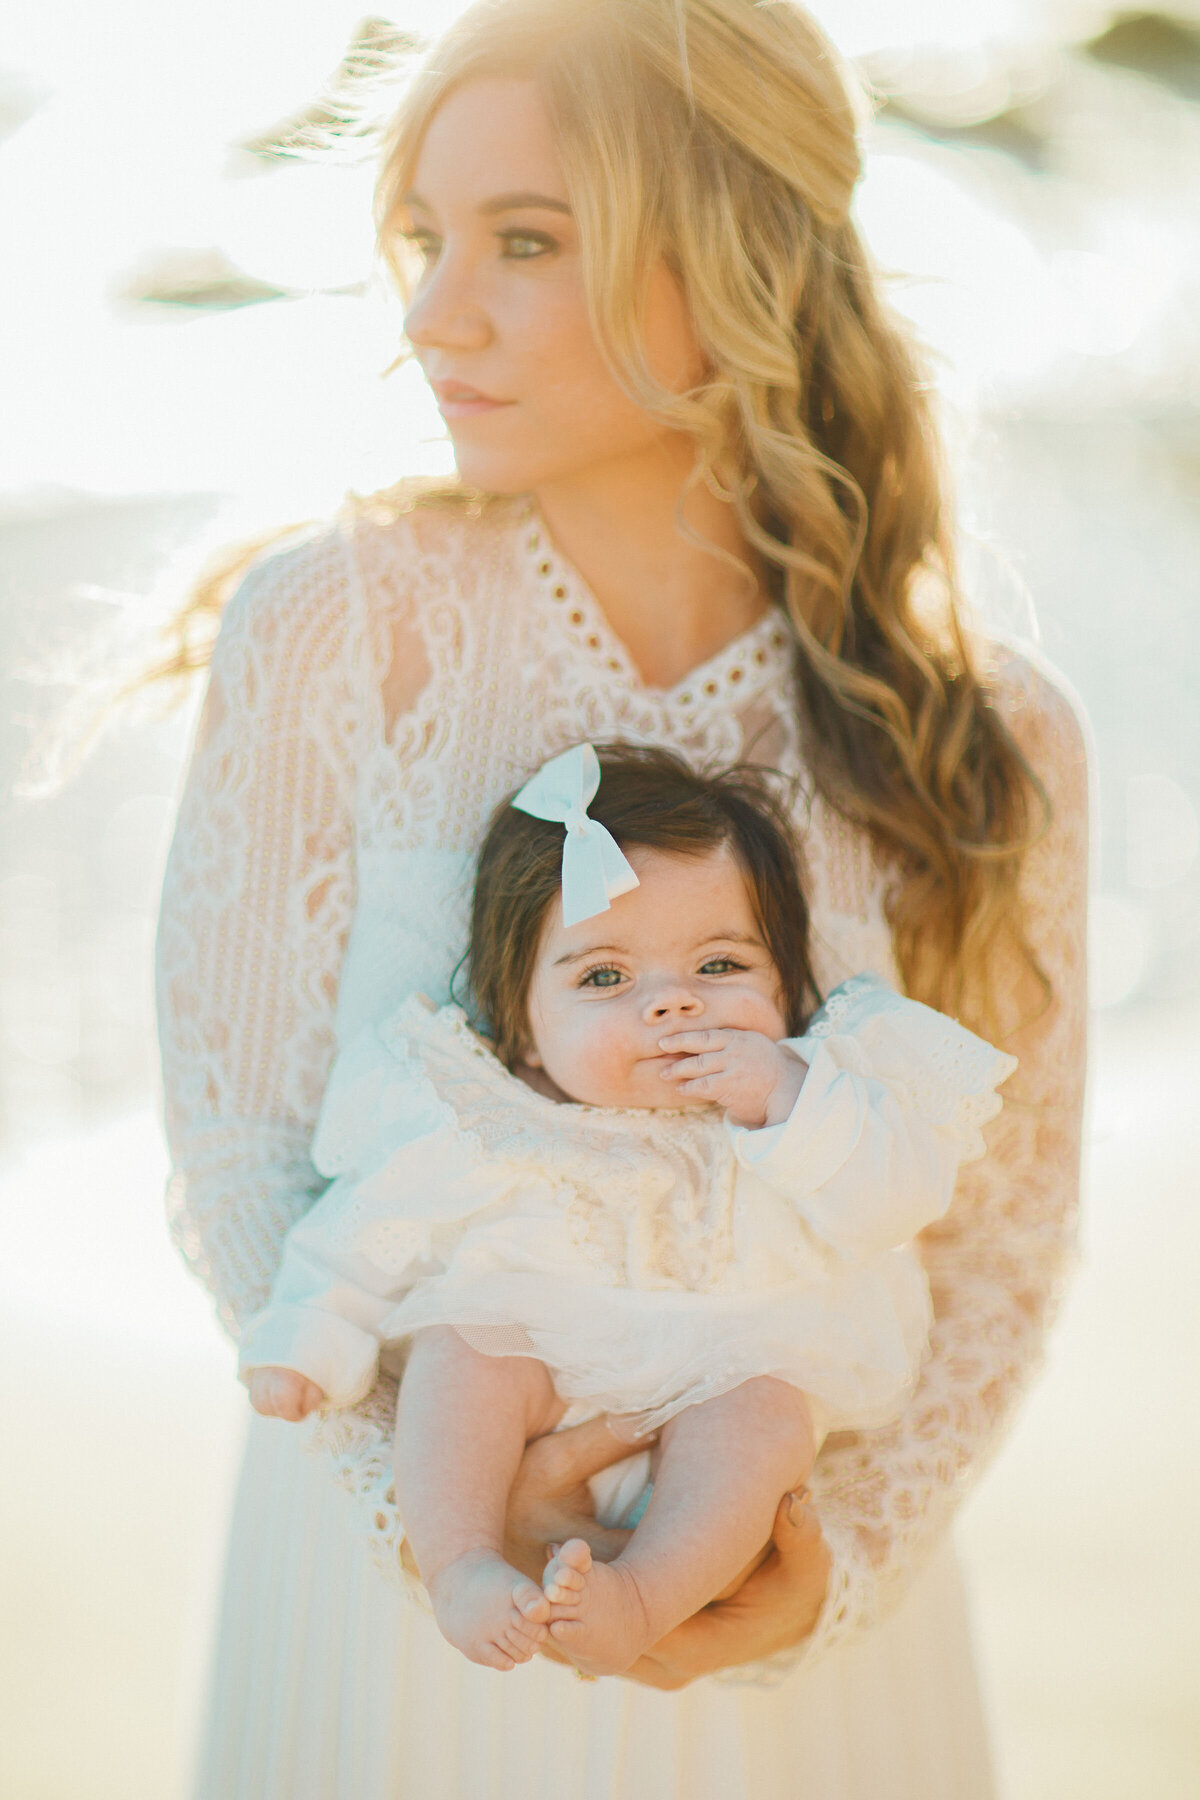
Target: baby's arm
x=866 y=1171
x=890 y=1109
x=319 y=1337
x=841 y=1134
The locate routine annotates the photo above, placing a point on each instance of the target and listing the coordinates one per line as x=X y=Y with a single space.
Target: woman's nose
x=673 y=1000
x=444 y=314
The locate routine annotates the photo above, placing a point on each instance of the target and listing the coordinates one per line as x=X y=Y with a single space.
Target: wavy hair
x=722 y=136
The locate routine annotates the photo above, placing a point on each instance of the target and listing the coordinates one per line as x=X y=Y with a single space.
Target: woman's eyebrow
x=592 y=950
x=517 y=202
x=501 y=203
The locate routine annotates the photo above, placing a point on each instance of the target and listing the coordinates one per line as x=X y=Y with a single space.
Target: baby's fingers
x=702 y=1087
x=688 y=1068
x=283 y=1393
x=691 y=1041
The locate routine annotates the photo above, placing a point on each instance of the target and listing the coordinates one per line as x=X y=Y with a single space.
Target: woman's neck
x=672 y=604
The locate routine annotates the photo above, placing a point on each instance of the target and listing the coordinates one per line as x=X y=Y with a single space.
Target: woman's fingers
x=804 y=1558
x=775 y=1608
x=550 y=1500
x=563 y=1459
x=797 y=1529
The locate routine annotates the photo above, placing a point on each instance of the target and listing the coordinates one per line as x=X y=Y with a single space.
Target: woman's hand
x=550 y=1500
x=774 y=1609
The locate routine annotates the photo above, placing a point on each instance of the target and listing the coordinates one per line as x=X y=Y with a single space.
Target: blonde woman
x=699 y=505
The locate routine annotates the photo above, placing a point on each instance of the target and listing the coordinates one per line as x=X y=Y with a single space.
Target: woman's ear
x=529 y=1055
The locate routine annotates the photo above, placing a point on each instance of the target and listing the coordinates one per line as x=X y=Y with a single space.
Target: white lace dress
x=375 y=691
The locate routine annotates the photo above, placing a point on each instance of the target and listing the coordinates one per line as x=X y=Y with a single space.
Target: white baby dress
x=650 y=1259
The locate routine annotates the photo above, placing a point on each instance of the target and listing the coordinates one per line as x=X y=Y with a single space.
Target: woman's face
x=499 y=320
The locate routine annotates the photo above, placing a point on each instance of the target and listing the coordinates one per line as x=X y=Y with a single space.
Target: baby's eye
x=720 y=965
x=601 y=978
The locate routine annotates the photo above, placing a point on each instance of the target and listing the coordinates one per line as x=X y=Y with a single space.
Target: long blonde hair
x=722 y=136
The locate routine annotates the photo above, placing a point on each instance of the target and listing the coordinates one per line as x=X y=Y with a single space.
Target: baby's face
x=682 y=951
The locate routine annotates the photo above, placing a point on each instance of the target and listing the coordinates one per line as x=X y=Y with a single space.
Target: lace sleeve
x=256 y=904
x=997 y=1262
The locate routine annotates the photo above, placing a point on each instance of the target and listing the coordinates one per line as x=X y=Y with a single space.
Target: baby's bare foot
x=283 y=1393
x=489 y=1611
x=597 y=1616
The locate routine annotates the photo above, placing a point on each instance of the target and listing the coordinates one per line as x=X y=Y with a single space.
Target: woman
x=699 y=506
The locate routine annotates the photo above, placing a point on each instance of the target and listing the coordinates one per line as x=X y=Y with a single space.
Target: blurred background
x=194 y=340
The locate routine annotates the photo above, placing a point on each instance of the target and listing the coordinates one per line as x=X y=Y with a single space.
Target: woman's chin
x=492 y=474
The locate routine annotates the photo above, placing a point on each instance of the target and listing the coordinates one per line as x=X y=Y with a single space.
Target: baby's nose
x=674 y=1001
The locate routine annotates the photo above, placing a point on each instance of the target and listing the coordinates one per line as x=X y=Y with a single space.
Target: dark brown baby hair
x=652 y=800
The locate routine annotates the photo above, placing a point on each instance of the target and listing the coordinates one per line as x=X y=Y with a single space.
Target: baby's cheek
x=763 y=1014
x=601 y=1061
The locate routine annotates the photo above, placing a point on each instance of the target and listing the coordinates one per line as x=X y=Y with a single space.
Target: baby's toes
x=516 y=1643
x=526 y=1632
x=569 y=1635
x=576 y=1554
x=531 y=1602
x=564 y=1586
x=566 y=1574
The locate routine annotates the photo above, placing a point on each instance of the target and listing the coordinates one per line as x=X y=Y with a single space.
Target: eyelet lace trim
x=729 y=678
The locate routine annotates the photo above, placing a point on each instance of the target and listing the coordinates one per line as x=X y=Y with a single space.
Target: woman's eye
x=720 y=965
x=423 y=242
x=601 y=978
x=522 y=246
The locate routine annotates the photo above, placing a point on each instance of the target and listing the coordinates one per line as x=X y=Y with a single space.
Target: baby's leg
x=723 y=1468
x=462 y=1423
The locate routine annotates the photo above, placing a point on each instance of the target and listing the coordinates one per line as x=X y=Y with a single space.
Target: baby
x=650 y=1192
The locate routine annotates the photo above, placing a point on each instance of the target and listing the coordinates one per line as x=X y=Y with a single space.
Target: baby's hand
x=282 y=1393
x=757 y=1081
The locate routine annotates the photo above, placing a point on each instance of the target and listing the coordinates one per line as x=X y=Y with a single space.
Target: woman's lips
x=457 y=401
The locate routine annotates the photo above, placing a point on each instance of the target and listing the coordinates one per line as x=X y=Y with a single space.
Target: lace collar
x=755 y=659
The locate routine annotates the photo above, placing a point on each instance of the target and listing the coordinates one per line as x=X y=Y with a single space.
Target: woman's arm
x=996 y=1263
x=996 y=1266
x=256 y=905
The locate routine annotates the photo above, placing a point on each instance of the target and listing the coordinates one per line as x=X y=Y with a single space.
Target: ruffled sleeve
x=407 y=1173
x=892 y=1104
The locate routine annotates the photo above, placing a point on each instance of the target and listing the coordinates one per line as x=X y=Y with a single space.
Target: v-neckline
x=731 y=674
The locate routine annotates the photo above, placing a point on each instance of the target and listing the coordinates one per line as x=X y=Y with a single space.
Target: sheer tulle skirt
x=330 y=1685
